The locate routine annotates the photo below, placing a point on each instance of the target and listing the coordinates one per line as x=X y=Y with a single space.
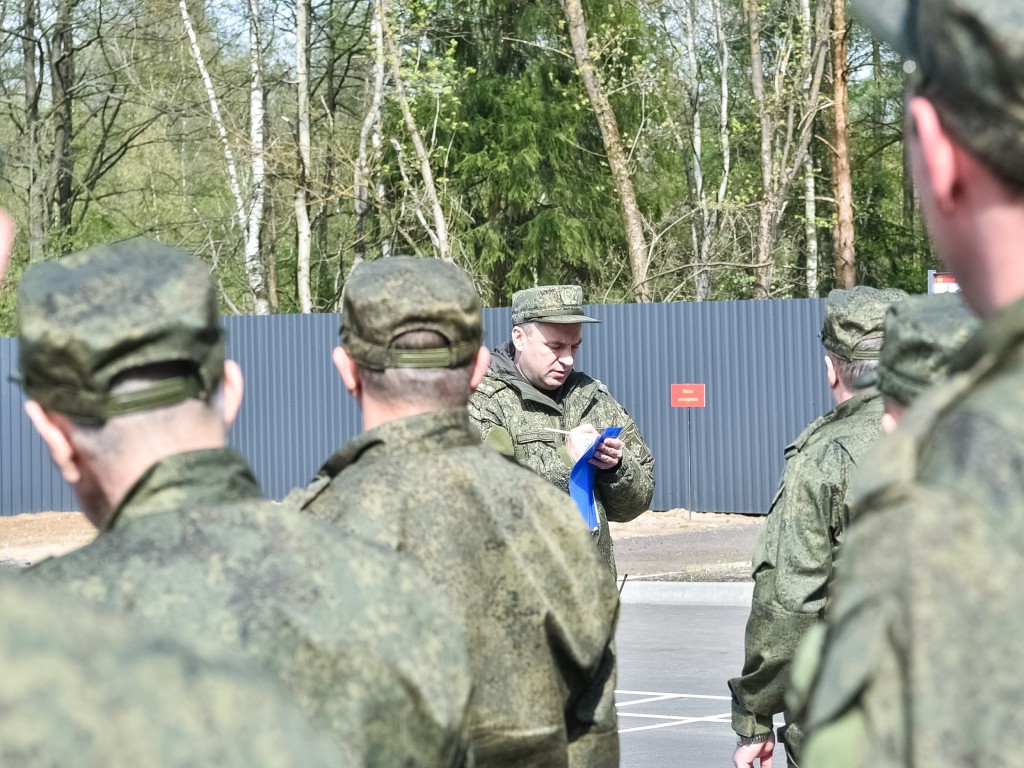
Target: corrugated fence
x=760 y=364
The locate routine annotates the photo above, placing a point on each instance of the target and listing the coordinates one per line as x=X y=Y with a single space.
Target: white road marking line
x=649 y=699
x=723 y=719
x=671 y=695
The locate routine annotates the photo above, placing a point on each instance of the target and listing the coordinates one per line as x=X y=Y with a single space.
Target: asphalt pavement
x=672 y=696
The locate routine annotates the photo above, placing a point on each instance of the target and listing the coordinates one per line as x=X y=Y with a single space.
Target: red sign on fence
x=687 y=395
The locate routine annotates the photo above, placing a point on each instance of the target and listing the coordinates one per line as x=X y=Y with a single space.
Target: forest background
x=650 y=150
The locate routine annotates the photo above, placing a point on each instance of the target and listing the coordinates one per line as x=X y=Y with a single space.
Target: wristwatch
x=761 y=738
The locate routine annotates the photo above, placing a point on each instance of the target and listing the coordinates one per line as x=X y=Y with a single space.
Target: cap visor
x=566 y=319
x=887 y=19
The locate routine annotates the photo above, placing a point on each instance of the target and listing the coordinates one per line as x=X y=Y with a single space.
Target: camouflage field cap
x=967 y=56
x=549 y=304
x=922 y=334
x=91 y=316
x=854 y=319
x=389 y=297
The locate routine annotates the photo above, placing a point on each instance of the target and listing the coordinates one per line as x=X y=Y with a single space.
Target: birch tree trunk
x=249 y=216
x=304 y=235
x=439 y=233
x=844 y=257
x=614 y=149
x=254 y=269
x=786 y=123
x=810 y=190
x=704 y=234
x=367 y=134
x=62 y=84
x=38 y=210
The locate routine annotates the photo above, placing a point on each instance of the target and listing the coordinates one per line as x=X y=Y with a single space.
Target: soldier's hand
x=6 y=241
x=608 y=453
x=747 y=754
x=580 y=439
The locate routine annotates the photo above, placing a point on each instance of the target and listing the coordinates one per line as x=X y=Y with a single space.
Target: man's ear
x=483 y=359
x=518 y=337
x=830 y=370
x=232 y=389
x=54 y=431
x=349 y=371
x=938 y=154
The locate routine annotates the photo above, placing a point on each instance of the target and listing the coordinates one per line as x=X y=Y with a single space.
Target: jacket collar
x=195 y=479
x=425 y=434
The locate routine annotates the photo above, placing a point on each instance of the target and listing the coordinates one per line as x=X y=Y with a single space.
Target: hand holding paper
x=581 y=478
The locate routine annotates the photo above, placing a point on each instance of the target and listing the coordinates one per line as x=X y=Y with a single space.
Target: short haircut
x=849 y=371
x=107 y=440
x=437 y=387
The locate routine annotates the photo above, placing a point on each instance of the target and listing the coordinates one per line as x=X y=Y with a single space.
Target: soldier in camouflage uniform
x=532 y=389
x=509 y=550
x=798 y=547
x=122 y=355
x=922 y=334
x=922 y=658
x=83 y=689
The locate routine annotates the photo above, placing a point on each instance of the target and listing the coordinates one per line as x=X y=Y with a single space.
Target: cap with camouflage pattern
x=967 y=56
x=88 y=318
x=854 y=319
x=387 y=298
x=549 y=304
x=922 y=334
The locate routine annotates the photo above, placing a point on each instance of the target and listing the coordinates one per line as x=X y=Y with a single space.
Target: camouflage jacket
x=370 y=652
x=796 y=555
x=513 y=554
x=922 y=657
x=84 y=689
x=511 y=415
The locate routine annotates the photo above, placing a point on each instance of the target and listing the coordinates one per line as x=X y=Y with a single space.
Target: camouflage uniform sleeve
x=792 y=568
x=627 y=490
x=593 y=725
x=854 y=715
x=486 y=415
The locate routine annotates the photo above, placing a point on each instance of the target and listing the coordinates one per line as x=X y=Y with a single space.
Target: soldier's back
x=85 y=689
x=929 y=594
x=370 y=651
x=513 y=554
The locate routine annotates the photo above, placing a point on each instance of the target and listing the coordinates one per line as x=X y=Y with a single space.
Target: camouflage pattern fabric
x=796 y=555
x=87 y=318
x=84 y=689
x=549 y=304
x=922 y=334
x=511 y=415
x=387 y=298
x=368 y=649
x=922 y=650
x=514 y=556
x=854 y=317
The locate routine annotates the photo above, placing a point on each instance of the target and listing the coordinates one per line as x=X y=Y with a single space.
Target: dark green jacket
x=511 y=415
x=513 y=555
x=797 y=553
x=85 y=689
x=370 y=652
x=922 y=656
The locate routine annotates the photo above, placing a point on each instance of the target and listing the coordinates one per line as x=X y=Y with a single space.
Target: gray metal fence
x=760 y=364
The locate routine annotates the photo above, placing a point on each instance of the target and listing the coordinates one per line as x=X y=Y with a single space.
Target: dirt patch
x=27 y=539
x=677 y=545
x=680 y=545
